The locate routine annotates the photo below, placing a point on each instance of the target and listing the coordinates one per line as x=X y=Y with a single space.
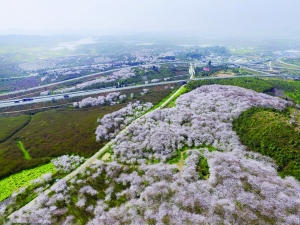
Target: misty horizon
x=210 y=19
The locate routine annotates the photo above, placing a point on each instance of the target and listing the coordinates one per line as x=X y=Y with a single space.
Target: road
x=46 y=98
x=285 y=68
x=92 y=159
x=280 y=61
x=7 y=103
x=171 y=98
x=257 y=71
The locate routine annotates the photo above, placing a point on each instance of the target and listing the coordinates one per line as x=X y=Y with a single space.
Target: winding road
x=280 y=61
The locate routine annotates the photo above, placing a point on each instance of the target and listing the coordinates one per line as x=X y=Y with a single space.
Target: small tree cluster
x=100 y=100
x=123 y=73
x=67 y=163
x=112 y=123
x=145 y=91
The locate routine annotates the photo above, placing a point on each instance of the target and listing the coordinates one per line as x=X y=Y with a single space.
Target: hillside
x=179 y=165
x=55 y=132
x=269 y=132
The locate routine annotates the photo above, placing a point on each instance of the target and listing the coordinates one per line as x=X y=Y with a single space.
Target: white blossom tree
x=66 y=163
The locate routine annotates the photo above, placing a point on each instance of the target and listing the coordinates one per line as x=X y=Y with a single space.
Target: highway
x=46 y=98
x=65 y=81
x=39 y=99
x=254 y=70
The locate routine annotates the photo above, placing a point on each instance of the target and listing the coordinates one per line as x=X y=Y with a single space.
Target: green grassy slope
x=11 y=125
x=268 y=132
x=255 y=84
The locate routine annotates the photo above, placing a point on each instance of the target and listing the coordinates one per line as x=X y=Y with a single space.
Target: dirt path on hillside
x=180 y=163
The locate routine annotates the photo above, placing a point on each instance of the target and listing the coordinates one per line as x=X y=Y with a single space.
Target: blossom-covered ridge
x=201 y=117
x=242 y=187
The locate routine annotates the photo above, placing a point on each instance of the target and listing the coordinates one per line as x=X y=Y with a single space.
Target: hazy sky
x=220 y=17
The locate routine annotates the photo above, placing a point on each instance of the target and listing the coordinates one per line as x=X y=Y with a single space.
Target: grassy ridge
x=255 y=84
x=268 y=132
x=286 y=85
x=290 y=88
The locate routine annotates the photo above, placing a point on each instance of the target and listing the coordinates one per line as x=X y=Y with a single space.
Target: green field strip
x=25 y=152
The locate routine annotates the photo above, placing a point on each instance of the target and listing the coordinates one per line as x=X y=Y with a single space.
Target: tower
x=192 y=71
